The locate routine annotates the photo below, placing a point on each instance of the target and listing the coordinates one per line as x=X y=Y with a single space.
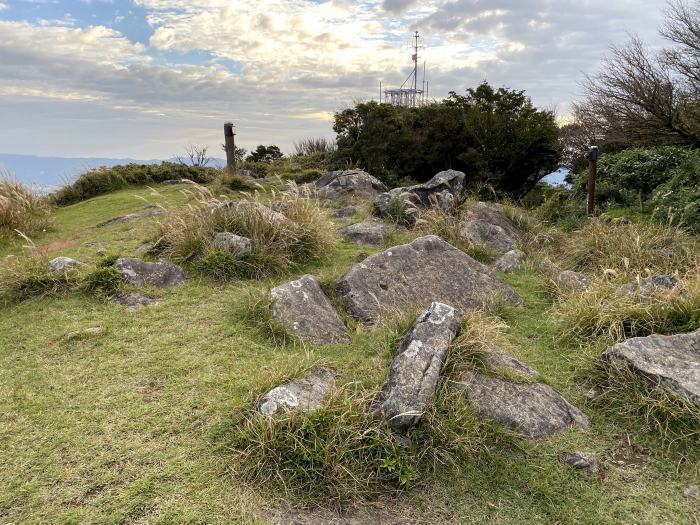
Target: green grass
x=133 y=425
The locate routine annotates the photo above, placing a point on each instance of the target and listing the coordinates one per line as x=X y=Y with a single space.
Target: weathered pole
x=230 y=146
x=592 y=166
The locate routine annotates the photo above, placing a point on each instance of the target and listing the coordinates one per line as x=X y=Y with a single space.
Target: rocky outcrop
x=300 y=394
x=573 y=280
x=230 y=242
x=417 y=274
x=535 y=410
x=138 y=272
x=370 y=232
x=670 y=361
x=303 y=309
x=415 y=370
x=135 y=301
x=63 y=264
x=348 y=184
x=509 y=261
x=488 y=236
x=120 y=220
x=650 y=287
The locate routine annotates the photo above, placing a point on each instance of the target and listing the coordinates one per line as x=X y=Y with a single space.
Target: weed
x=104 y=281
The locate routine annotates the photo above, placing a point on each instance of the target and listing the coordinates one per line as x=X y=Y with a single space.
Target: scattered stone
x=671 y=361
x=535 y=410
x=101 y=252
x=303 y=309
x=509 y=261
x=415 y=370
x=649 y=287
x=144 y=249
x=365 y=232
x=340 y=185
x=547 y=267
x=691 y=492
x=85 y=333
x=492 y=213
x=346 y=212
x=63 y=264
x=161 y=274
x=417 y=274
x=135 y=301
x=486 y=235
x=583 y=461
x=573 y=280
x=499 y=361
x=233 y=243
x=171 y=182
x=120 y=220
x=300 y=394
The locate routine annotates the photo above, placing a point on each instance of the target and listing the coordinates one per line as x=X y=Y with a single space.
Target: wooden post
x=230 y=147
x=592 y=167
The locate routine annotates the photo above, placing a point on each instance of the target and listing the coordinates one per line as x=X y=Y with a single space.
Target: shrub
x=104 y=180
x=21 y=209
x=562 y=208
x=677 y=201
x=236 y=182
x=104 y=281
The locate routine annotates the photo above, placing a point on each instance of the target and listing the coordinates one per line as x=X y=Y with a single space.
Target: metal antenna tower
x=408 y=95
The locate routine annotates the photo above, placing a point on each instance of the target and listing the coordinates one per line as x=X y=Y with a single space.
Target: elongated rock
x=305 y=311
x=137 y=272
x=414 y=372
x=416 y=274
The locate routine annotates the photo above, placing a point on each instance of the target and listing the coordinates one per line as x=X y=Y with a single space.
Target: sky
x=145 y=78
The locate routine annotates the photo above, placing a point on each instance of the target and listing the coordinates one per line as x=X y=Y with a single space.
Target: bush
x=105 y=281
x=103 y=180
x=235 y=182
x=563 y=209
x=21 y=209
x=677 y=201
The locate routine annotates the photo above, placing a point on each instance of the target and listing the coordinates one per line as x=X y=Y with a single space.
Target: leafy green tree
x=265 y=153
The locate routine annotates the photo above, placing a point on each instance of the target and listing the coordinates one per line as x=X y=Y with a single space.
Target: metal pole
x=592 y=168
x=230 y=147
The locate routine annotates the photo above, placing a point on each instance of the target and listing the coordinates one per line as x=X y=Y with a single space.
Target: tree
x=265 y=154
x=196 y=155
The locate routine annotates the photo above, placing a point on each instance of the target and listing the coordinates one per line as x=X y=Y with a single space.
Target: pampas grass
x=21 y=210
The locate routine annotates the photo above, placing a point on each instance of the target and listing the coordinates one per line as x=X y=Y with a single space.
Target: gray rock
x=348 y=184
x=138 y=272
x=346 y=212
x=415 y=370
x=135 y=301
x=305 y=311
x=417 y=274
x=691 y=492
x=120 y=220
x=649 y=287
x=535 y=410
x=671 y=361
x=486 y=235
x=509 y=261
x=85 y=333
x=440 y=191
x=365 y=233
x=549 y=268
x=63 y=264
x=493 y=214
x=171 y=182
x=233 y=243
x=499 y=361
x=573 y=280
x=144 y=249
x=301 y=394
x=583 y=461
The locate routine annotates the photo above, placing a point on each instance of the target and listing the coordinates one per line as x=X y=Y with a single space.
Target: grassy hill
x=134 y=423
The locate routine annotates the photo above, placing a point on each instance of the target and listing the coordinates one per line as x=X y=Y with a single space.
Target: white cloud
x=3 y=6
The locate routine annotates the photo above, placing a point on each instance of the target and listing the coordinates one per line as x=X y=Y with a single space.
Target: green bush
x=104 y=281
x=678 y=199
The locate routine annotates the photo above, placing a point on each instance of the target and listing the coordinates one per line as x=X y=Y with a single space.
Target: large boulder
x=493 y=214
x=161 y=274
x=369 y=232
x=305 y=311
x=535 y=410
x=650 y=287
x=415 y=370
x=300 y=394
x=348 y=184
x=63 y=264
x=441 y=191
x=416 y=274
x=486 y=235
x=670 y=361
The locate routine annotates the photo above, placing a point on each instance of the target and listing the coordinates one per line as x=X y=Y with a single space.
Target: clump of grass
x=235 y=182
x=299 y=233
x=21 y=210
x=103 y=281
x=24 y=277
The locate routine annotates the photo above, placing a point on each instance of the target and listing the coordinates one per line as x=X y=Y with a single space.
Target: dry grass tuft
x=21 y=210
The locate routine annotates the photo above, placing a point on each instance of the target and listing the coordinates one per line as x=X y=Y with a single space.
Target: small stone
x=161 y=274
x=509 y=261
x=300 y=394
x=691 y=492
x=547 y=267
x=101 y=252
x=365 y=233
x=85 y=333
x=588 y=463
x=171 y=182
x=144 y=249
x=346 y=212
x=233 y=243
x=134 y=301
x=573 y=280
x=63 y=264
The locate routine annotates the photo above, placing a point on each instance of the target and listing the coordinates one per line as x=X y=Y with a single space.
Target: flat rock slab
x=440 y=191
x=509 y=261
x=486 y=235
x=348 y=184
x=138 y=272
x=535 y=410
x=63 y=264
x=415 y=370
x=120 y=220
x=671 y=361
x=649 y=287
x=305 y=311
x=171 y=182
x=300 y=394
x=583 y=461
x=426 y=270
x=135 y=301
x=493 y=214
x=370 y=232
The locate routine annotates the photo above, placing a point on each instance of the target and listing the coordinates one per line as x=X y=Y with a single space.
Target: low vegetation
x=22 y=211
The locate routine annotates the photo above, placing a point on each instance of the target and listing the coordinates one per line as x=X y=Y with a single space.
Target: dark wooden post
x=230 y=146
x=592 y=167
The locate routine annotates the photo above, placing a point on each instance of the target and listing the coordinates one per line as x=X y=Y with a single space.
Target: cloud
x=3 y=6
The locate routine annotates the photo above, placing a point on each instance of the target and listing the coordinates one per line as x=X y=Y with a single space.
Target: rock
x=300 y=394
x=85 y=333
x=303 y=309
x=486 y=235
x=346 y=212
x=101 y=252
x=120 y=220
x=233 y=243
x=499 y=361
x=416 y=274
x=63 y=264
x=535 y=410
x=493 y=214
x=440 y=191
x=649 y=287
x=588 y=463
x=415 y=370
x=691 y=492
x=547 y=267
x=573 y=280
x=144 y=249
x=348 y=184
x=171 y=182
x=670 y=361
x=138 y=272
x=509 y=261
x=365 y=233
x=134 y=301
